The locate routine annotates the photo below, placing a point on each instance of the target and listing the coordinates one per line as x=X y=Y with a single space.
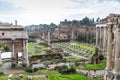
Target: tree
x=98 y=19
x=5 y=48
x=81 y=38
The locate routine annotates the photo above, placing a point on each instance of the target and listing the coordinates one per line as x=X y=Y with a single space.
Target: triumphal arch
x=108 y=44
x=15 y=37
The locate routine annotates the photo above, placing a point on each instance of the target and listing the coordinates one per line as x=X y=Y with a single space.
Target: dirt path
x=14 y=71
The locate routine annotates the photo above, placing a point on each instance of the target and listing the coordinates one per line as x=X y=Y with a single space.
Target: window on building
x=3 y=34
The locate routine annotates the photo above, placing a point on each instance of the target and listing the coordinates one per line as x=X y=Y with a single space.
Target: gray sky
x=46 y=11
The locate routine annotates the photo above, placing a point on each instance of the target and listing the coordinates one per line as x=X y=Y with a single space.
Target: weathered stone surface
x=15 y=37
x=111 y=35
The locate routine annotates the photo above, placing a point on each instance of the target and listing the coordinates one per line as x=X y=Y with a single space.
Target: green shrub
x=29 y=70
x=65 y=70
x=99 y=66
x=5 y=48
x=41 y=68
x=35 y=69
x=1 y=73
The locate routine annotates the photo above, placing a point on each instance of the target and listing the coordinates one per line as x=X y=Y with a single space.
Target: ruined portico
x=15 y=37
x=108 y=43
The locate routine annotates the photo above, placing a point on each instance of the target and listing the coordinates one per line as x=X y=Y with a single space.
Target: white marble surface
x=8 y=55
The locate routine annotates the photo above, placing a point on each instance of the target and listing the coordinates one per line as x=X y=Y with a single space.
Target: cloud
x=8 y=8
x=47 y=11
x=98 y=8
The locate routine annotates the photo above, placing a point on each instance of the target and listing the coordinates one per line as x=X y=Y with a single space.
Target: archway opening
x=5 y=53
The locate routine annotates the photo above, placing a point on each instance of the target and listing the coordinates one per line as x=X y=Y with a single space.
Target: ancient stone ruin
x=108 y=44
x=15 y=37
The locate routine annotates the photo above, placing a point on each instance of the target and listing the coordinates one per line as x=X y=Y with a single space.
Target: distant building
x=65 y=30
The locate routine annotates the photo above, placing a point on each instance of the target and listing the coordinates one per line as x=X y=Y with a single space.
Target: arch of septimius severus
x=14 y=36
x=108 y=43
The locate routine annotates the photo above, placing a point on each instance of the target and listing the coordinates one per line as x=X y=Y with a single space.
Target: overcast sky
x=46 y=11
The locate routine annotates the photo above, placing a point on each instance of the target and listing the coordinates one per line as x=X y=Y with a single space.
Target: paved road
x=5 y=67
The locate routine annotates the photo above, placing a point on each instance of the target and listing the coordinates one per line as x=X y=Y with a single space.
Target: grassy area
x=52 y=75
x=84 y=46
x=71 y=58
x=100 y=66
x=4 y=77
x=35 y=49
x=70 y=77
x=85 y=50
x=77 y=76
x=3 y=62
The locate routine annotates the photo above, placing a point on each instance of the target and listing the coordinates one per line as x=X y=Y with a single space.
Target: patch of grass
x=71 y=58
x=4 y=77
x=99 y=66
x=52 y=75
x=36 y=49
x=70 y=77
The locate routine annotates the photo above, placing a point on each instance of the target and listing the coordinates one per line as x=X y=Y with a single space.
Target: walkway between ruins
x=71 y=53
x=5 y=67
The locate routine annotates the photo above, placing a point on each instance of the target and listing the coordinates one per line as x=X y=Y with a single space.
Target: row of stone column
x=108 y=41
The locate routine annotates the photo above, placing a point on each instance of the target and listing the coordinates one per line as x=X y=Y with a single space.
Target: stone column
x=109 y=49
x=100 y=38
x=109 y=53
x=26 y=48
x=25 y=53
x=58 y=33
x=13 y=54
x=104 y=40
x=43 y=35
x=0 y=57
x=48 y=37
x=114 y=44
x=72 y=35
x=117 y=55
x=97 y=37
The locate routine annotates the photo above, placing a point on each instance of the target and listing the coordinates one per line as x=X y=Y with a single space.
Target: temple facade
x=108 y=44
x=15 y=37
